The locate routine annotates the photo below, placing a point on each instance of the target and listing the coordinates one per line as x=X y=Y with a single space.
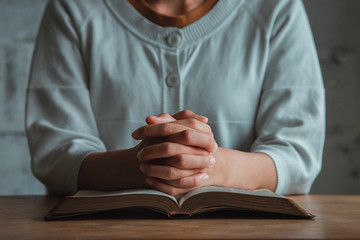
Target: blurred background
x=336 y=29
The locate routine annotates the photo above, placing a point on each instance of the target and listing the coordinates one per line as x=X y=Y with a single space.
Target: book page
x=260 y=192
x=92 y=193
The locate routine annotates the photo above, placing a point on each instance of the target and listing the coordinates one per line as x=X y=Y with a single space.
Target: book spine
x=180 y=214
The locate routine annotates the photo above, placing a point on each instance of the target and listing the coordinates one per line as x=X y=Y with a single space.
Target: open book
x=201 y=200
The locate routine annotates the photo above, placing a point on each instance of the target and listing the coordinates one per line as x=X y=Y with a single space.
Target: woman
x=247 y=70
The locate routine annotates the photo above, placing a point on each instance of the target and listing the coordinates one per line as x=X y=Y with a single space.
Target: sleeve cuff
x=280 y=169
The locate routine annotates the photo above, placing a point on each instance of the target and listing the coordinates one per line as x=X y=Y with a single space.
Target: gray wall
x=19 y=20
x=336 y=27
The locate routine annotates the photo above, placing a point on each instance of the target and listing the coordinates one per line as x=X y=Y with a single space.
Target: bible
x=201 y=200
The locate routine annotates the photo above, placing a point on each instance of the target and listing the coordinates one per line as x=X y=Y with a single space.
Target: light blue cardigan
x=99 y=68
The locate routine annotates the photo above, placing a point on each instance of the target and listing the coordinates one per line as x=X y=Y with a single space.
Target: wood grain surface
x=337 y=217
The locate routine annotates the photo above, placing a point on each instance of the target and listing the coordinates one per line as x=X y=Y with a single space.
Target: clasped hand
x=177 y=153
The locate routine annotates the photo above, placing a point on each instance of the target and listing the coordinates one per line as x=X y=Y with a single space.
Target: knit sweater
x=100 y=67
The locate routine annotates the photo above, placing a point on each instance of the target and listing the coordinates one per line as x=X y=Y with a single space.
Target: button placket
x=171 y=72
x=172 y=81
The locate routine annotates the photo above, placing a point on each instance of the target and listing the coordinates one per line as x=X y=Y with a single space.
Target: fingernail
x=201 y=118
x=215 y=148
x=149 y=117
x=139 y=155
x=212 y=161
x=204 y=177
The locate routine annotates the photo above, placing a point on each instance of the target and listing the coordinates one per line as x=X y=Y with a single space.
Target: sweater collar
x=130 y=18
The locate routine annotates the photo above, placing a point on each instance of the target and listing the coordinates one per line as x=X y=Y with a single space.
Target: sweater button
x=174 y=40
x=173 y=80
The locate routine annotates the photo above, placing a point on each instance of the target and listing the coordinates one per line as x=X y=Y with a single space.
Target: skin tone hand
x=178 y=162
x=176 y=172
x=120 y=169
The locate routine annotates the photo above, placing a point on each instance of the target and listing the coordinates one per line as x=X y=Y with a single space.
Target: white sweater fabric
x=100 y=67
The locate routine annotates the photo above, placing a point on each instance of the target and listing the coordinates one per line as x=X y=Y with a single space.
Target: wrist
x=243 y=170
x=111 y=171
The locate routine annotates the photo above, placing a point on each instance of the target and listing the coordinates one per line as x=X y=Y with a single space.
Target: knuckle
x=187 y=112
x=186 y=134
x=172 y=173
x=194 y=181
x=180 y=161
x=193 y=123
x=168 y=149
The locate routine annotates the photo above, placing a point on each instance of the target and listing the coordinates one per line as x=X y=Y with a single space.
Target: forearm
x=111 y=171
x=244 y=170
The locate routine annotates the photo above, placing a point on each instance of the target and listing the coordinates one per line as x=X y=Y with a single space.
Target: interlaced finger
x=167 y=150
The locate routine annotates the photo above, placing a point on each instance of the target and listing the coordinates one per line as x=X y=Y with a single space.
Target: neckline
x=178 y=21
x=136 y=23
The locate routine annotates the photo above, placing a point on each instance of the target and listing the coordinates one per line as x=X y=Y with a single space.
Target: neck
x=174 y=7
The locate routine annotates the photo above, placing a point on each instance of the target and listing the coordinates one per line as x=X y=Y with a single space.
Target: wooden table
x=337 y=217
